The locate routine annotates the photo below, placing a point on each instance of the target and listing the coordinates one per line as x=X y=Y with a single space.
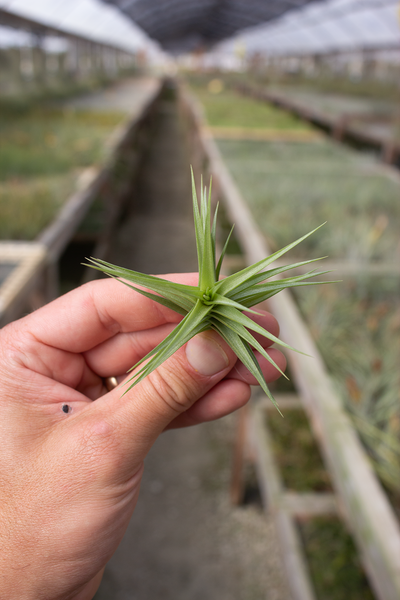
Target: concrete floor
x=185 y=541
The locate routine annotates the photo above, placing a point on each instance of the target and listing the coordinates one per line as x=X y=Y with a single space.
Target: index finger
x=96 y=311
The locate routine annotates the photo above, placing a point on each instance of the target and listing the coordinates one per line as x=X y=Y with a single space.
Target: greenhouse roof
x=266 y=26
x=88 y=19
x=189 y=24
x=334 y=26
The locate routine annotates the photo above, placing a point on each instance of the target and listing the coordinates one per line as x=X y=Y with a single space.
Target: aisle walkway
x=185 y=541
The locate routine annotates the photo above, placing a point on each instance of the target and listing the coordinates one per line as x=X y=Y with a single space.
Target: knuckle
x=106 y=459
x=168 y=387
x=109 y=322
x=98 y=442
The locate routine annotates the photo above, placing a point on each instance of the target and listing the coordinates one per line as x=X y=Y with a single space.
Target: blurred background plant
x=47 y=149
x=291 y=185
x=357 y=329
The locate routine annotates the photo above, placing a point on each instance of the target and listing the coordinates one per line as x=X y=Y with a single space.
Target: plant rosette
x=218 y=304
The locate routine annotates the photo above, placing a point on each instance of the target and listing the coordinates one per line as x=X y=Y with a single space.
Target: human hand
x=70 y=480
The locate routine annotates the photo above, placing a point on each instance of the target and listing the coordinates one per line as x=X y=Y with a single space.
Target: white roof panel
x=335 y=25
x=88 y=18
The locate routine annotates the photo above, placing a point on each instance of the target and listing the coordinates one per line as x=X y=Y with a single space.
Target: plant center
x=208 y=295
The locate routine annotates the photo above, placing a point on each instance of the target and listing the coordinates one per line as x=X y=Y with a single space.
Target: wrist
x=26 y=576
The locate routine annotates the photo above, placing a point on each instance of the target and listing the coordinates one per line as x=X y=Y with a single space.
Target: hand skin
x=69 y=482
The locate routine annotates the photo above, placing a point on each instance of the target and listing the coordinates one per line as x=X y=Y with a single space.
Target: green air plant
x=219 y=304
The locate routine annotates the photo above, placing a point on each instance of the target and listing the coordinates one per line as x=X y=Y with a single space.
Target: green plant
x=313 y=182
x=217 y=304
x=230 y=109
x=357 y=329
x=43 y=152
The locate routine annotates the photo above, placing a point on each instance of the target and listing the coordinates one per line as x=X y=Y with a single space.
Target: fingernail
x=205 y=355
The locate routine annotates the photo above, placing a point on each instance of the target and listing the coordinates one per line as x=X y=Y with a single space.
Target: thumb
x=148 y=408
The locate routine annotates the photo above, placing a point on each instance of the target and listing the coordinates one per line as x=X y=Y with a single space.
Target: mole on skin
x=65 y=408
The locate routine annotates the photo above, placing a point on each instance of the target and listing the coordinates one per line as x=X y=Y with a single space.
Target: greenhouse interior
x=159 y=136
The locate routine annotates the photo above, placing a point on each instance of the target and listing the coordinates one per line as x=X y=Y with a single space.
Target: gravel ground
x=185 y=540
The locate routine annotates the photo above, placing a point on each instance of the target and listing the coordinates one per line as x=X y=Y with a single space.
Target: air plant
x=219 y=304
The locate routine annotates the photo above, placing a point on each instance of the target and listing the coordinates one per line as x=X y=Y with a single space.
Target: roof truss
x=187 y=24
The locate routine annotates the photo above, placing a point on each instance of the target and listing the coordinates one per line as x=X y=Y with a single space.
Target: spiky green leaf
x=213 y=304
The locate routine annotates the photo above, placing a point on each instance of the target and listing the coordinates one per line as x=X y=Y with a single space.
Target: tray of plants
x=361 y=495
